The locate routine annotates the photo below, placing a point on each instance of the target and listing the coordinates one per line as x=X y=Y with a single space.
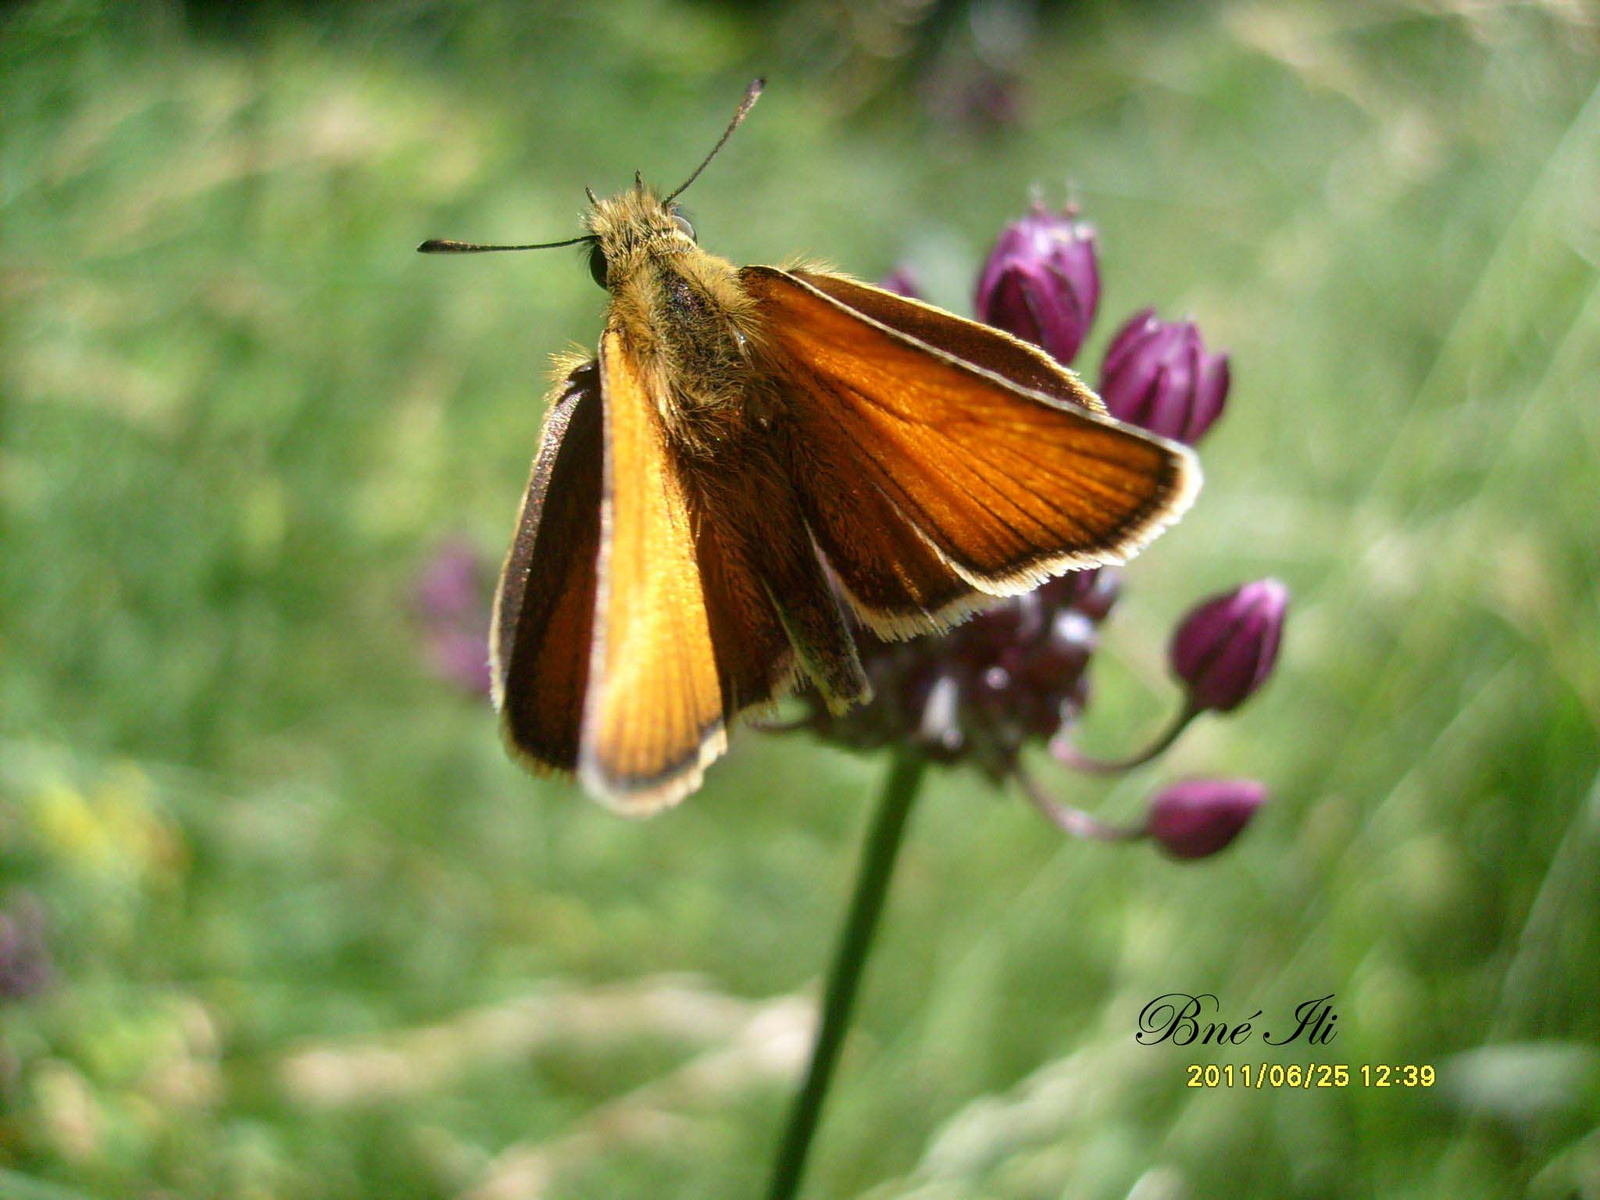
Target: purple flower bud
x=1042 y=281
x=1199 y=817
x=1225 y=648
x=902 y=281
x=1158 y=375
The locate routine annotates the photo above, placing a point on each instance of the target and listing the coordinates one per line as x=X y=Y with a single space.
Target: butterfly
x=756 y=461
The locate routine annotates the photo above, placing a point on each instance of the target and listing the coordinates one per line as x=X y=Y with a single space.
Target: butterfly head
x=630 y=226
x=638 y=223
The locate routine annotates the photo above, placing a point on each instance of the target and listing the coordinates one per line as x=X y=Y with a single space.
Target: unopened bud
x=1199 y=817
x=1225 y=648
x=1157 y=375
x=1042 y=281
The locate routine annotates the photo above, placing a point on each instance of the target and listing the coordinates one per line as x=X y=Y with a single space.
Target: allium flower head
x=1012 y=673
x=1226 y=647
x=1158 y=375
x=1017 y=671
x=1042 y=281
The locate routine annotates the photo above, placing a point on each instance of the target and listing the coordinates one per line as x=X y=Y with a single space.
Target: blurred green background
x=314 y=936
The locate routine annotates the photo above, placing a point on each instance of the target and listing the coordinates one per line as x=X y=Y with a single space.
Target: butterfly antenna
x=751 y=95
x=445 y=246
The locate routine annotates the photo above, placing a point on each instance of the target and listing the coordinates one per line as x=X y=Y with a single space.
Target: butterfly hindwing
x=755 y=660
x=544 y=604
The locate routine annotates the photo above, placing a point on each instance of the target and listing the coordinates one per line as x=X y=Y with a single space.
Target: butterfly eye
x=597 y=264
x=683 y=225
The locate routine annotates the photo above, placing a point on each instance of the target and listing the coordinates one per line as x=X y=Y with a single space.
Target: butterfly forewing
x=1019 y=362
x=1009 y=486
x=544 y=605
x=653 y=717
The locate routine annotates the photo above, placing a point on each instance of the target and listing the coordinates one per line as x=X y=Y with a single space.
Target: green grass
x=239 y=414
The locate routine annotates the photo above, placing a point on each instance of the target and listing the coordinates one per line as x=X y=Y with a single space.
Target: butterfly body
x=688 y=321
x=692 y=333
x=756 y=462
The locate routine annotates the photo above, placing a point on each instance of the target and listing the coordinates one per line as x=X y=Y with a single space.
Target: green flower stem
x=872 y=884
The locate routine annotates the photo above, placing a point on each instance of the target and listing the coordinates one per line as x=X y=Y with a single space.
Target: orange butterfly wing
x=922 y=471
x=755 y=659
x=544 y=605
x=668 y=597
x=653 y=716
x=1019 y=362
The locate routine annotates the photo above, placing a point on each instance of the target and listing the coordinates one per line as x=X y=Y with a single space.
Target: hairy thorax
x=688 y=322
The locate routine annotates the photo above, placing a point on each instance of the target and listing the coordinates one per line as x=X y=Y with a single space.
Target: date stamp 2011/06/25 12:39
x=1186 y=1019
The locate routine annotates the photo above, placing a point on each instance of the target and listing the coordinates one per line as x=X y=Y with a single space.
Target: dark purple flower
x=1042 y=281
x=1199 y=817
x=452 y=604
x=1015 y=672
x=1158 y=375
x=1226 y=647
x=25 y=967
x=902 y=281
